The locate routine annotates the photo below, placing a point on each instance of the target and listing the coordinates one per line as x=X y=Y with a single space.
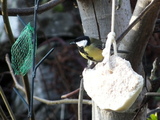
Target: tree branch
x=65 y=101
x=70 y=94
x=142 y=14
x=2 y=113
x=30 y=11
x=6 y=21
x=17 y=85
x=48 y=102
x=136 y=40
x=7 y=104
x=80 y=100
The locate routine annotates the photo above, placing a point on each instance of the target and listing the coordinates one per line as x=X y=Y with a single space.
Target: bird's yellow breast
x=92 y=53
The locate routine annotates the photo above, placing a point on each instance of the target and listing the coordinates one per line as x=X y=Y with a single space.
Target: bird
x=89 y=48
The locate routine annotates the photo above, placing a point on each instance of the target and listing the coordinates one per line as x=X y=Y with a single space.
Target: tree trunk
x=96 y=20
x=90 y=10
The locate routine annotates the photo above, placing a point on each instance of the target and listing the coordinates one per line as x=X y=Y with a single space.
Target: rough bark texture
x=135 y=41
x=90 y=9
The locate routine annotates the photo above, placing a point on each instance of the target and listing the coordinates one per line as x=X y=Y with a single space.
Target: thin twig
x=26 y=87
x=30 y=11
x=149 y=95
x=70 y=94
x=62 y=114
x=21 y=97
x=17 y=85
x=65 y=101
x=48 y=102
x=36 y=6
x=80 y=100
x=48 y=53
x=2 y=114
x=6 y=21
x=157 y=110
x=7 y=104
x=154 y=94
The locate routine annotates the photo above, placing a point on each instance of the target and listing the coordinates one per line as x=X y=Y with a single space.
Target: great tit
x=89 y=48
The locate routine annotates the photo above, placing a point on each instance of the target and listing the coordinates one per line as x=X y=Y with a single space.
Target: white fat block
x=114 y=87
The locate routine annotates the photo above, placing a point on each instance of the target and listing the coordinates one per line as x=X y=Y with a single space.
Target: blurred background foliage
x=61 y=72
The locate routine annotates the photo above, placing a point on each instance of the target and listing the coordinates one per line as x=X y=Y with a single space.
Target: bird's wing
x=97 y=43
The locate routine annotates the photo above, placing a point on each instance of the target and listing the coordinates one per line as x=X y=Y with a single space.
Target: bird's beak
x=72 y=43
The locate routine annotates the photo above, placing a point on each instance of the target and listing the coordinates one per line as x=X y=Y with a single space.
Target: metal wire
x=34 y=67
x=36 y=4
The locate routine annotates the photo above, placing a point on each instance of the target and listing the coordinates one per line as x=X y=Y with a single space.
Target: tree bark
x=90 y=10
x=137 y=38
x=96 y=17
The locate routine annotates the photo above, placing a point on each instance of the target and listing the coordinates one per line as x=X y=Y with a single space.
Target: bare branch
x=157 y=110
x=6 y=21
x=80 y=100
x=136 y=40
x=70 y=94
x=142 y=14
x=30 y=11
x=64 y=101
x=155 y=94
x=17 y=85
x=48 y=102
x=7 y=104
x=3 y=115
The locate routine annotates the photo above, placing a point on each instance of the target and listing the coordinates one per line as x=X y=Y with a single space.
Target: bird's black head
x=82 y=41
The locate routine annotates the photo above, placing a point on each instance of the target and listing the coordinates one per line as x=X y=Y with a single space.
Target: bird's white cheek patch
x=82 y=43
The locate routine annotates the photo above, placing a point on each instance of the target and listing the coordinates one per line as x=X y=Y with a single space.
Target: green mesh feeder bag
x=22 y=51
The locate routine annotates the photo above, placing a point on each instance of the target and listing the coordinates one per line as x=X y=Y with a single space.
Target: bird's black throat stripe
x=81 y=49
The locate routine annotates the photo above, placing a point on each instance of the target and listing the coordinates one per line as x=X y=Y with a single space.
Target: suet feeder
x=112 y=84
